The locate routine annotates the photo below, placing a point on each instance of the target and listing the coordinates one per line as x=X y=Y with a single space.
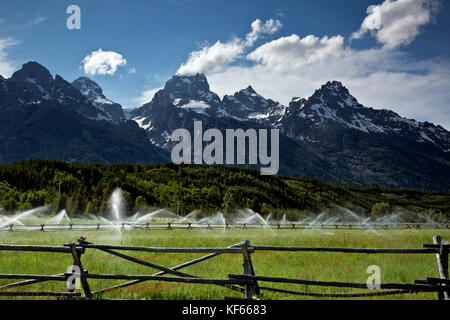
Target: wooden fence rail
x=347 y=250
x=405 y=286
x=248 y=283
x=170 y=250
x=5 y=247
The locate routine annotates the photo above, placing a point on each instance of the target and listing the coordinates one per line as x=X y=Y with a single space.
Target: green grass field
x=303 y=265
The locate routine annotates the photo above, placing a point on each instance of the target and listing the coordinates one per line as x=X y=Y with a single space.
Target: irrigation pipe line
x=228 y=226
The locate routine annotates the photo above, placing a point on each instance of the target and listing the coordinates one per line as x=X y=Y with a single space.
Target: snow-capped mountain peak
x=247 y=104
x=187 y=84
x=333 y=104
x=94 y=93
x=90 y=89
x=187 y=93
x=334 y=95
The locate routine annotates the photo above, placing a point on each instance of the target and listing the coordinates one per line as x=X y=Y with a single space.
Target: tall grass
x=303 y=265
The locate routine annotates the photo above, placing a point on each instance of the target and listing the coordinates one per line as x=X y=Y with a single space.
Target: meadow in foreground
x=302 y=265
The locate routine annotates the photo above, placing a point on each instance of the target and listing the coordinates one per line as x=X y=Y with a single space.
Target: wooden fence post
x=249 y=271
x=442 y=261
x=77 y=261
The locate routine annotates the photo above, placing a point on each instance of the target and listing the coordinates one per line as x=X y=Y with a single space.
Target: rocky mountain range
x=329 y=135
x=49 y=118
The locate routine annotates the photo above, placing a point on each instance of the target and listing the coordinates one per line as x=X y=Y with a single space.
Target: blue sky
x=402 y=68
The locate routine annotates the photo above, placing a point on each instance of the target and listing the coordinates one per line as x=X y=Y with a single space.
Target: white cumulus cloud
x=103 y=62
x=293 y=51
x=396 y=23
x=259 y=28
x=213 y=58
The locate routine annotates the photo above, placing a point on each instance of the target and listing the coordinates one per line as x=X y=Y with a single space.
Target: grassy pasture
x=302 y=265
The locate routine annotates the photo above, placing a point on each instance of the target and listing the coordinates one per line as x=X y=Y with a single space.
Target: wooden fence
x=247 y=283
x=227 y=226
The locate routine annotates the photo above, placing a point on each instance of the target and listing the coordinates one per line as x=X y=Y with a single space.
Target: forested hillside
x=86 y=188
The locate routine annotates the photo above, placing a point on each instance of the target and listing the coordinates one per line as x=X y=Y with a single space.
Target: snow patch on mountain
x=144 y=122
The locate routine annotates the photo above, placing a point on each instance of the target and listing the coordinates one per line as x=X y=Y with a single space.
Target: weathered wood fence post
x=77 y=261
x=442 y=261
x=249 y=271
